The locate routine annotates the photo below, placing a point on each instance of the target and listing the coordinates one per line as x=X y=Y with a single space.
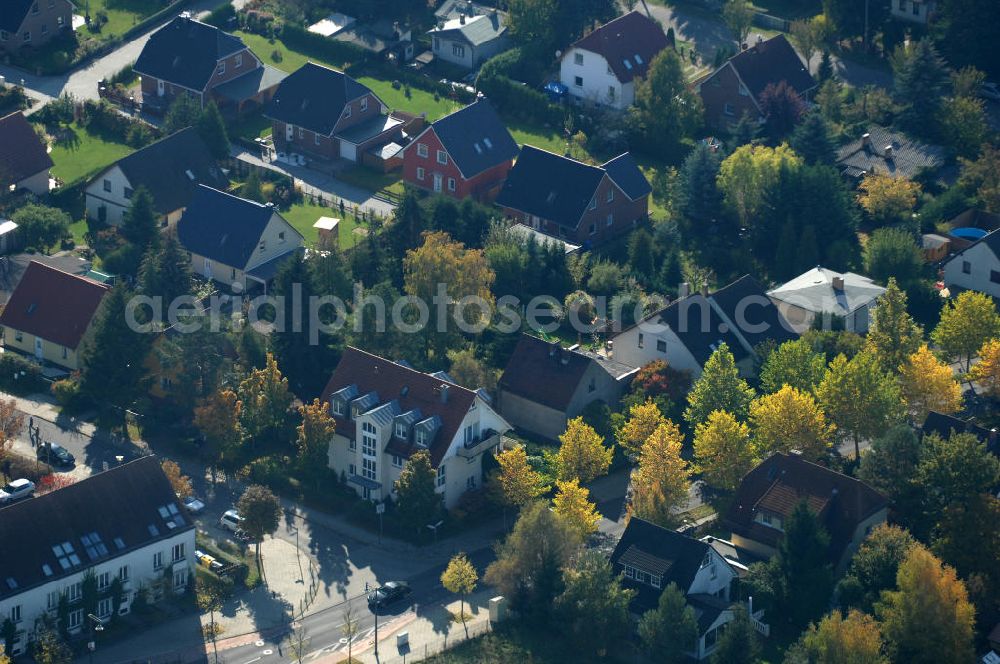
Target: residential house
x=171 y=169
x=124 y=524
x=603 y=66
x=10 y=239
x=467 y=153
x=449 y=9
x=469 y=40
x=327 y=115
x=33 y=23
x=648 y=558
x=574 y=201
x=847 y=508
x=836 y=299
x=49 y=315
x=189 y=57
x=687 y=331
x=13 y=267
x=386 y=411
x=881 y=151
x=545 y=385
x=977 y=267
x=947 y=425
x=232 y=240
x=913 y=11
x=384 y=38
x=735 y=88
x=24 y=157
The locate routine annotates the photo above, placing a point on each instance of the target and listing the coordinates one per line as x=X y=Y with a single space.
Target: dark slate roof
x=625 y=173
x=54 y=305
x=746 y=304
x=550 y=186
x=411 y=389
x=12 y=13
x=477 y=30
x=465 y=133
x=908 y=157
x=223 y=227
x=13 y=267
x=186 y=52
x=772 y=61
x=163 y=168
x=251 y=84
x=22 y=152
x=945 y=425
x=314 y=96
x=781 y=481
x=657 y=550
x=119 y=505
x=629 y=43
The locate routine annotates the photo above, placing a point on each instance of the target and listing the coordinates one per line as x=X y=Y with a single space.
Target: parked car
x=54 y=455
x=194 y=505
x=389 y=593
x=231 y=521
x=16 y=490
x=990 y=91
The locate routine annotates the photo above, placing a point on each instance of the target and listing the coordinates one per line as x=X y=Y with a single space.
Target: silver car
x=16 y=490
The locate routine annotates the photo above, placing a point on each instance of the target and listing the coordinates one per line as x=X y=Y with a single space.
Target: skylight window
x=66 y=555
x=11 y=583
x=153 y=530
x=638 y=59
x=94 y=546
x=478 y=148
x=628 y=64
x=190 y=175
x=119 y=543
x=46 y=570
x=488 y=142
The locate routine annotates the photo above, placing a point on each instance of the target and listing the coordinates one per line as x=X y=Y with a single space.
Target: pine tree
x=252 y=188
x=212 y=130
x=184 y=112
x=139 y=225
x=807 y=254
x=701 y=200
x=738 y=644
x=668 y=631
x=921 y=80
x=812 y=141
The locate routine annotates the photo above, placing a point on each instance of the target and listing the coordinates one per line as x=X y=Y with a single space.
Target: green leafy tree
x=812 y=141
x=666 y=109
x=40 y=226
x=417 y=500
x=920 y=77
x=893 y=253
x=212 y=130
x=890 y=467
x=669 y=631
x=893 y=336
x=874 y=567
x=261 y=512
x=460 y=577
x=967 y=322
x=594 y=606
x=982 y=177
x=953 y=472
x=739 y=643
x=793 y=363
x=184 y=111
x=964 y=125
x=253 y=189
x=582 y=454
x=49 y=648
x=738 y=17
x=266 y=400
x=750 y=174
x=723 y=450
x=719 y=388
x=966 y=537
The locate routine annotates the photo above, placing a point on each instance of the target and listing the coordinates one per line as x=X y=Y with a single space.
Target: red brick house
x=325 y=114
x=187 y=56
x=467 y=153
x=574 y=201
x=735 y=87
x=32 y=23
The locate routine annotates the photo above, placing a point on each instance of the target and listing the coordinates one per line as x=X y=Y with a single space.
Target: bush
x=518 y=100
x=316 y=45
x=222 y=16
x=20 y=375
x=27 y=467
x=103 y=119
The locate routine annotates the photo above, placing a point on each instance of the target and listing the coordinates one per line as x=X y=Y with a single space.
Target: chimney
x=866 y=140
x=444 y=393
x=684 y=290
x=888 y=152
x=461 y=19
x=838 y=284
x=470 y=8
x=704 y=289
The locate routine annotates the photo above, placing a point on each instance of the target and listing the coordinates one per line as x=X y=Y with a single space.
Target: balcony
x=477 y=446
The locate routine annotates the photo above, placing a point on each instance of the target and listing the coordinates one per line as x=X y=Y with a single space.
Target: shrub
x=20 y=375
x=222 y=16
x=66 y=391
x=316 y=45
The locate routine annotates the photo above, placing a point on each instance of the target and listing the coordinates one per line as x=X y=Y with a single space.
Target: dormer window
x=222 y=68
x=364 y=104
x=770 y=520
x=337 y=407
x=401 y=430
x=422 y=438
x=347 y=111
x=239 y=60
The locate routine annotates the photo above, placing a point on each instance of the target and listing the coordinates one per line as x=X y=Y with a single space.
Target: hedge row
x=310 y=43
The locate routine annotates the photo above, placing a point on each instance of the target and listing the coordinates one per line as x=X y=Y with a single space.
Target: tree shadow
x=67 y=137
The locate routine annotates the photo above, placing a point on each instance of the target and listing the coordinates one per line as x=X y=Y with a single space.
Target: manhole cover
x=343 y=641
x=259 y=644
x=268 y=652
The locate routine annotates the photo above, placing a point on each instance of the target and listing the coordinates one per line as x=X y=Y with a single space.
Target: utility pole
x=866 y=25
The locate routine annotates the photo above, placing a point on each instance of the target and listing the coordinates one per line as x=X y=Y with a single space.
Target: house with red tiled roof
x=603 y=66
x=49 y=315
x=24 y=157
x=847 y=508
x=387 y=411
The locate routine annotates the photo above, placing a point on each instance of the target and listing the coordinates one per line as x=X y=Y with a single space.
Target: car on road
x=193 y=505
x=16 y=490
x=389 y=593
x=231 y=521
x=54 y=454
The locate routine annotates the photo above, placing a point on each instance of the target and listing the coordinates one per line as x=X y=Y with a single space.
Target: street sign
x=380 y=508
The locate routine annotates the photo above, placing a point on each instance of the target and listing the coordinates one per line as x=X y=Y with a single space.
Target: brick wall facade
x=45 y=20
x=724 y=105
x=483 y=187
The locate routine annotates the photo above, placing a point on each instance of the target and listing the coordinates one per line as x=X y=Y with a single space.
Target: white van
x=16 y=490
x=231 y=521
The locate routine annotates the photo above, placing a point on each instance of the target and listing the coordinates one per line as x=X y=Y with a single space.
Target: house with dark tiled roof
x=735 y=88
x=466 y=153
x=50 y=314
x=171 y=169
x=232 y=240
x=545 y=385
x=123 y=527
x=847 y=508
x=946 y=426
x=687 y=331
x=24 y=157
x=324 y=114
x=886 y=152
x=470 y=38
x=603 y=66
x=574 y=201
x=648 y=558
x=28 y=24
x=189 y=57
x=387 y=411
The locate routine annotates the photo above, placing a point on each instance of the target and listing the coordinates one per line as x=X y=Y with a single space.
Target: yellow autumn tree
x=572 y=504
x=521 y=483
x=440 y=260
x=582 y=454
x=643 y=419
x=723 y=451
x=662 y=480
x=790 y=419
x=888 y=198
x=928 y=384
x=986 y=372
x=836 y=638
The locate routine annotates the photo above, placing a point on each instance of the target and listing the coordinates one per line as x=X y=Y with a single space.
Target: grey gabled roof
x=475 y=30
x=624 y=171
x=908 y=158
x=223 y=227
x=476 y=138
x=813 y=291
x=172 y=169
x=772 y=61
x=186 y=52
x=314 y=96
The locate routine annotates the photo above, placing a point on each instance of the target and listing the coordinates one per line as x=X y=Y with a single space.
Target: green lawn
x=122 y=15
x=78 y=229
x=78 y=154
x=540 y=137
x=303 y=215
x=372 y=180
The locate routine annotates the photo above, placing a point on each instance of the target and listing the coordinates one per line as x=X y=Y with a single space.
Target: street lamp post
x=380 y=510
x=96 y=625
